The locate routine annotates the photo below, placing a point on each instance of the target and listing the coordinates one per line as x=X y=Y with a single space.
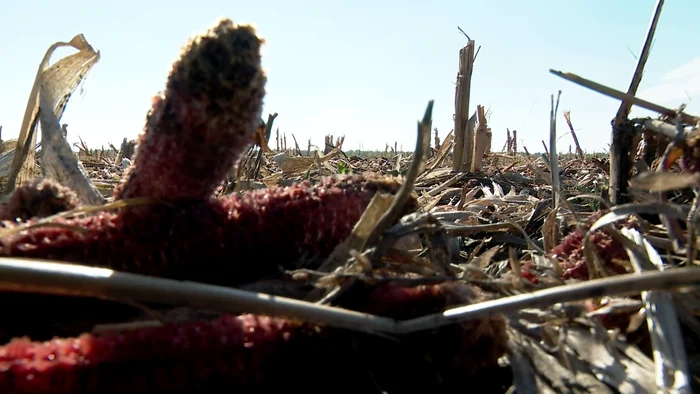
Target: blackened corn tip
x=221 y=63
x=198 y=128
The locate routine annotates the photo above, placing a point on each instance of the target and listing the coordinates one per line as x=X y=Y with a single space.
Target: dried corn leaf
x=58 y=160
x=433 y=163
x=671 y=363
x=549 y=374
x=293 y=165
x=621 y=212
x=59 y=82
x=607 y=364
x=484 y=260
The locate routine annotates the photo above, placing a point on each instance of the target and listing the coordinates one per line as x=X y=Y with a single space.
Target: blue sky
x=366 y=69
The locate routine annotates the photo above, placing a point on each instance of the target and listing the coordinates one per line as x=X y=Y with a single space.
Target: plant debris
x=215 y=261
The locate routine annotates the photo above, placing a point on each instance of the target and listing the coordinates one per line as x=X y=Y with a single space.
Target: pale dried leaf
x=497 y=189
x=591 y=384
x=435 y=174
x=523 y=371
x=621 y=212
x=6 y=161
x=59 y=81
x=606 y=364
x=435 y=191
x=559 y=379
x=445 y=148
x=429 y=204
x=670 y=359
x=636 y=321
x=483 y=260
x=468 y=219
x=293 y=164
x=59 y=162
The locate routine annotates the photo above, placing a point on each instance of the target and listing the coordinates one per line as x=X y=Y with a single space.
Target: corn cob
x=206 y=117
x=571 y=255
x=186 y=357
x=447 y=354
x=255 y=353
x=225 y=241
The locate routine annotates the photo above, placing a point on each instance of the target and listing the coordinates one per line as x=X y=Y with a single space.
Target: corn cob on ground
x=256 y=353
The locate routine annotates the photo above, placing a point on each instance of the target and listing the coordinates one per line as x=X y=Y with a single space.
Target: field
x=232 y=260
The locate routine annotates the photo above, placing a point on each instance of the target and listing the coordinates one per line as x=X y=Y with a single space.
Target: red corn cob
x=210 y=109
x=37 y=199
x=254 y=354
x=448 y=353
x=226 y=241
x=570 y=252
x=175 y=358
x=573 y=261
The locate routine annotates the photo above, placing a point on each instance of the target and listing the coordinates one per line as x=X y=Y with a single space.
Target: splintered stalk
x=553 y=154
